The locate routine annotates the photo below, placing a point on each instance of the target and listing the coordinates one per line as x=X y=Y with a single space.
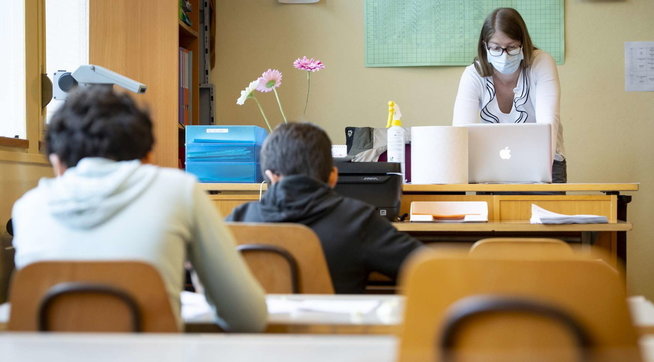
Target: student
x=511 y=81
x=296 y=158
x=106 y=204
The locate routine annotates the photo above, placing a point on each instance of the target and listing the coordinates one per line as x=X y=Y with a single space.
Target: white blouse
x=536 y=99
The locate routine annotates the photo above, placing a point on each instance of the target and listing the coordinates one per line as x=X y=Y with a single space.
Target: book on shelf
x=542 y=216
x=185 y=7
x=185 y=97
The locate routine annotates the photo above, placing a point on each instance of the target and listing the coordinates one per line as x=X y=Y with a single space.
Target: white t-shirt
x=536 y=100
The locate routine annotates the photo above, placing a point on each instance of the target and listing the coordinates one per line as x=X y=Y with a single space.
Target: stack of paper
x=449 y=211
x=542 y=216
x=642 y=310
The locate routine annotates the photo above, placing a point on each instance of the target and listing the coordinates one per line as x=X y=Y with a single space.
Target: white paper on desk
x=439 y=155
x=473 y=211
x=642 y=310
x=287 y=306
x=195 y=306
x=4 y=312
x=542 y=216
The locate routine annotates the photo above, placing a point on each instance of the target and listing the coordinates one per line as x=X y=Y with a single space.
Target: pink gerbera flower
x=269 y=80
x=310 y=65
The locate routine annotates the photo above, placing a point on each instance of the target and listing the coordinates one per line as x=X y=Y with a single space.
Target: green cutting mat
x=406 y=33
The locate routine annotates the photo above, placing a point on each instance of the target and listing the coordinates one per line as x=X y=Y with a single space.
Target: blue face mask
x=505 y=63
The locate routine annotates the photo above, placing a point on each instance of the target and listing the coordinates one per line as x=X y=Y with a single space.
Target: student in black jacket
x=296 y=159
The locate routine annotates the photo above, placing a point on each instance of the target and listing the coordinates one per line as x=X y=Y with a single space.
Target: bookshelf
x=189 y=41
x=141 y=39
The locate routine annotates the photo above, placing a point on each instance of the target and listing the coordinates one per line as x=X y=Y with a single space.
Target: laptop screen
x=509 y=153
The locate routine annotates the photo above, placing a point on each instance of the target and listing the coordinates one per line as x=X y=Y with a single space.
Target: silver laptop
x=509 y=153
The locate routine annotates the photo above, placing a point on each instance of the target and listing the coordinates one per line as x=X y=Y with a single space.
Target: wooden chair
x=90 y=296
x=587 y=291
x=284 y=257
x=522 y=247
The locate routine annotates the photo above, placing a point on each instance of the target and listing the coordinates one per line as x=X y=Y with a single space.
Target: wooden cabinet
x=518 y=207
x=141 y=40
x=595 y=199
x=508 y=214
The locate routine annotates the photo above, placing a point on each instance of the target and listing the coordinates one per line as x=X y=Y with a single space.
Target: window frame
x=28 y=150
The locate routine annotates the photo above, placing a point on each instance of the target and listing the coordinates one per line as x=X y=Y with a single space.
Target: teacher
x=511 y=81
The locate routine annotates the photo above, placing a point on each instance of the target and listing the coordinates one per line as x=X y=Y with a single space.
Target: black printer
x=377 y=183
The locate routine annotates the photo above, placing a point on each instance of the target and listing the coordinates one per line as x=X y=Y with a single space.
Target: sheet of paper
x=276 y=306
x=4 y=312
x=542 y=216
x=639 y=66
x=642 y=310
x=449 y=211
x=195 y=307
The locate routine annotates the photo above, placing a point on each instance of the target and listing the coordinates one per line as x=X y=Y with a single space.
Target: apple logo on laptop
x=505 y=153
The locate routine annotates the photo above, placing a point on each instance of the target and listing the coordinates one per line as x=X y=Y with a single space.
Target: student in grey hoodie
x=297 y=160
x=106 y=204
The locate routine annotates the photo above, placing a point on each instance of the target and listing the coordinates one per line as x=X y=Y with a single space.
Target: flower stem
x=280 y=105
x=306 y=102
x=263 y=114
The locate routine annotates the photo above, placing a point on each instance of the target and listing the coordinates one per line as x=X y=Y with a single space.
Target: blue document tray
x=224 y=153
x=224 y=143
x=227 y=172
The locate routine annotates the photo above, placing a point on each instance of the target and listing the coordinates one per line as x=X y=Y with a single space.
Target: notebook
x=509 y=153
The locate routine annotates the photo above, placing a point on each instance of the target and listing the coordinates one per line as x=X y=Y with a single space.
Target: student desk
x=338 y=314
x=100 y=347
x=299 y=313
x=508 y=213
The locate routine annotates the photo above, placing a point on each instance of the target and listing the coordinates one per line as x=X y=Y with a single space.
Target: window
x=23 y=31
x=12 y=93
x=21 y=22
x=67 y=34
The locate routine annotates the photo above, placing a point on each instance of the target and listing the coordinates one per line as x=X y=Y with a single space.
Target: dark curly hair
x=97 y=121
x=298 y=149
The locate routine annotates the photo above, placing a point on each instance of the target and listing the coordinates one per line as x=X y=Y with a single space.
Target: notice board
x=406 y=33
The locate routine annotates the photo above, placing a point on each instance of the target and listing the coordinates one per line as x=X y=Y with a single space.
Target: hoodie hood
x=95 y=190
x=296 y=198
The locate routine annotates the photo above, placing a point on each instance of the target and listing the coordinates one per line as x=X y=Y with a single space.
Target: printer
x=377 y=183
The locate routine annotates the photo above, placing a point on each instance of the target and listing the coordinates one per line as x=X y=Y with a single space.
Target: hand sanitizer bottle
x=395 y=136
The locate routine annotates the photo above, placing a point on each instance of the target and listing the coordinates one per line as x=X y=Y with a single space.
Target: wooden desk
x=109 y=347
x=299 y=313
x=508 y=214
x=332 y=314
x=97 y=347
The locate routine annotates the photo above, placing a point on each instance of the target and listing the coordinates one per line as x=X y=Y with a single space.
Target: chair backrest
x=90 y=296
x=270 y=264
x=588 y=290
x=522 y=247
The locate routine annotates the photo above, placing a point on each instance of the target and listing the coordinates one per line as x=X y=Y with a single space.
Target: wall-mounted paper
x=439 y=155
x=639 y=66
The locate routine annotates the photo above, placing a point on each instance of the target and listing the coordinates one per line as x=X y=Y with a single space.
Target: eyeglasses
x=496 y=51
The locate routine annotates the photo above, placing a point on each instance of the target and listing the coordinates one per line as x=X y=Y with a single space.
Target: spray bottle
x=395 y=136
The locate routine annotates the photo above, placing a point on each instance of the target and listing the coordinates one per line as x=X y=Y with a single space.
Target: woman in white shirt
x=511 y=81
